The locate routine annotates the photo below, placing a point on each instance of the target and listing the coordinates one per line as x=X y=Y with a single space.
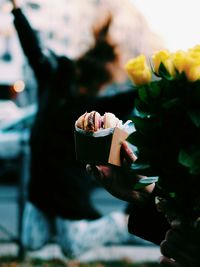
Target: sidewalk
x=110 y=253
x=103 y=201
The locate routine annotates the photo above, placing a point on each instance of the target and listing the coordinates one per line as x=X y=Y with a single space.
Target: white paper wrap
x=128 y=126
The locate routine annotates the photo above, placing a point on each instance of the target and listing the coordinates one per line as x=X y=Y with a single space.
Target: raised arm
x=14 y=3
x=30 y=44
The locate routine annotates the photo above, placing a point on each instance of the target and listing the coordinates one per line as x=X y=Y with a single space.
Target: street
x=102 y=200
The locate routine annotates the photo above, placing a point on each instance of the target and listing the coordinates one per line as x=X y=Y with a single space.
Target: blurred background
x=63 y=26
x=140 y=26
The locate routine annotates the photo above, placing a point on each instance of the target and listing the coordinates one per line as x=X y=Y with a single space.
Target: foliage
x=167 y=125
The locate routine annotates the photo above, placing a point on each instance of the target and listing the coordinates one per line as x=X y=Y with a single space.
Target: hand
x=120 y=181
x=14 y=3
x=181 y=247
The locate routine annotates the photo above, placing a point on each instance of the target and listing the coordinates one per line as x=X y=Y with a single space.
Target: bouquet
x=167 y=123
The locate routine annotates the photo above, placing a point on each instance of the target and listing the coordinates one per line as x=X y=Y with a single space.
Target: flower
x=167 y=124
x=188 y=63
x=164 y=57
x=138 y=70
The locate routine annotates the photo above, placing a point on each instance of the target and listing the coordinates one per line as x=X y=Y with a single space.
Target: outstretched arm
x=30 y=44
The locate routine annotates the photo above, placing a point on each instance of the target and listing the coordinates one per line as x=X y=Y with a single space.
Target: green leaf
x=142 y=183
x=154 y=89
x=139 y=166
x=143 y=94
x=190 y=160
x=163 y=72
x=172 y=194
x=147 y=126
x=184 y=158
x=195 y=117
x=175 y=102
x=141 y=107
x=136 y=139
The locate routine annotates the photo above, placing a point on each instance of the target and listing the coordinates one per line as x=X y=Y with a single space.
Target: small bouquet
x=167 y=123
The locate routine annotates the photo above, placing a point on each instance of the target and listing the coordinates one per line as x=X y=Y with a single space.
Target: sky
x=176 y=21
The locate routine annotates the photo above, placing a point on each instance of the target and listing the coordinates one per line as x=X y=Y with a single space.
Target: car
x=15 y=131
x=8 y=111
x=14 y=136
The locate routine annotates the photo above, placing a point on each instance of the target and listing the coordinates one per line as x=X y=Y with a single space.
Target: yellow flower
x=194 y=53
x=192 y=71
x=163 y=56
x=138 y=70
x=189 y=63
x=180 y=60
x=196 y=48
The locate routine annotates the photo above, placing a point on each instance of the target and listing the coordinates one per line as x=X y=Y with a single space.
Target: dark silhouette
x=59 y=185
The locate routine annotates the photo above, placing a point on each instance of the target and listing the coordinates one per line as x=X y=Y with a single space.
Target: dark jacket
x=58 y=183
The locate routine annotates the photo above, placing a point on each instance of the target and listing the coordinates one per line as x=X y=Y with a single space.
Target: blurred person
x=59 y=187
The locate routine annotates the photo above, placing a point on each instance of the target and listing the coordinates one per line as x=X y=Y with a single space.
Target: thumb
x=93 y=171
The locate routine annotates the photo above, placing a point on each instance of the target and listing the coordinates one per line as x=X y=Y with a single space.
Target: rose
x=166 y=65
x=181 y=61
x=193 y=72
x=138 y=70
x=189 y=63
x=164 y=57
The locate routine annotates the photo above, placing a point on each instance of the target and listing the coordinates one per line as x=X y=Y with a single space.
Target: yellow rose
x=193 y=73
x=194 y=53
x=192 y=70
x=189 y=63
x=196 y=48
x=181 y=60
x=138 y=70
x=163 y=56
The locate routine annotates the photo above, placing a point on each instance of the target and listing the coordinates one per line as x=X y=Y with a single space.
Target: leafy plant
x=167 y=123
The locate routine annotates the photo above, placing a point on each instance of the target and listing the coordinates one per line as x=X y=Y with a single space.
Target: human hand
x=181 y=247
x=120 y=181
x=14 y=3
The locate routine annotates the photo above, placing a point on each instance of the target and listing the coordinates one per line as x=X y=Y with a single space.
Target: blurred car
x=9 y=111
x=15 y=131
x=14 y=134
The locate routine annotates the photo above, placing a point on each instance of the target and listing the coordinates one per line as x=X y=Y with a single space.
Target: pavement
x=109 y=253
x=102 y=200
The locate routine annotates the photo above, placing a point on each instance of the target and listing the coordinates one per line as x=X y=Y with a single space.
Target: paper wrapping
x=101 y=147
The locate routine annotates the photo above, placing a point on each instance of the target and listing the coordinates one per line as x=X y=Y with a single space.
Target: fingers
x=172 y=247
x=103 y=174
x=174 y=236
x=176 y=224
x=179 y=248
x=127 y=155
x=93 y=170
